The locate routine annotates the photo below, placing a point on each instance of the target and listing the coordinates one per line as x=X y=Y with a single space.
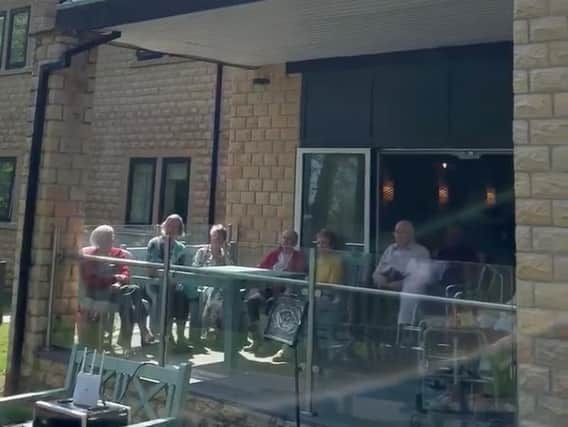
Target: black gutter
x=215 y=146
x=19 y=316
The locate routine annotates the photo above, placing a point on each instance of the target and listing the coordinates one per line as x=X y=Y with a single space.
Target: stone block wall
x=62 y=191
x=264 y=135
x=15 y=87
x=541 y=187
x=14 y=107
x=157 y=108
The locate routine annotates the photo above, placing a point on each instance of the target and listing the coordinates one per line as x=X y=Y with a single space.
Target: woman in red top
x=100 y=293
x=283 y=258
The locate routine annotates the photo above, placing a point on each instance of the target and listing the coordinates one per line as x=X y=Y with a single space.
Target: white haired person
x=105 y=289
x=213 y=254
x=178 y=301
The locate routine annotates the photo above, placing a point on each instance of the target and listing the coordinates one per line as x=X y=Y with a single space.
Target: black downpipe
x=19 y=316
x=215 y=148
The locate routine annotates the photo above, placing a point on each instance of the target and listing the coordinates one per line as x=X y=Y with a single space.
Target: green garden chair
x=155 y=394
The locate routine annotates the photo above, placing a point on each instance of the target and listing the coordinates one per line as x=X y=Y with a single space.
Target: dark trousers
x=131 y=310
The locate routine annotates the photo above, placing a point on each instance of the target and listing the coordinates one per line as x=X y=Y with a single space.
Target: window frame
x=13 y=13
x=14 y=161
x=3 y=14
x=299 y=189
x=131 y=166
x=165 y=162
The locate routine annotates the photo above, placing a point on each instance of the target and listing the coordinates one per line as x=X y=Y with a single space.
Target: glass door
x=437 y=191
x=332 y=190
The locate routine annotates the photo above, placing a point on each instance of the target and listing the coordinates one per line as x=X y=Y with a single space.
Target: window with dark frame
x=174 y=189
x=17 y=46
x=7 y=177
x=140 y=196
x=2 y=33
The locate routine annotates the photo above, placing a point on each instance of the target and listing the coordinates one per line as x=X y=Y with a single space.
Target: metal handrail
x=204 y=271
x=464 y=302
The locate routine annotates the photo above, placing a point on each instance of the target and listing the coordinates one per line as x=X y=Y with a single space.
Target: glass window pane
x=7 y=173
x=141 y=191
x=17 y=49
x=333 y=196
x=2 y=31
x=175 y=187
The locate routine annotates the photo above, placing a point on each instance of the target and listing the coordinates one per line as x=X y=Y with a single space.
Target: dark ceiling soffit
x=344 y=62
x=75 y=16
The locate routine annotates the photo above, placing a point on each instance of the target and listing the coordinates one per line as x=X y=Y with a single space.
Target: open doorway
x=435 y=191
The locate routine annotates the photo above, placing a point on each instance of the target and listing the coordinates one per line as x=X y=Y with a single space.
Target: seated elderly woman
x=284 y=258
x=213 y=254
x=104 y=289
x=178 y=300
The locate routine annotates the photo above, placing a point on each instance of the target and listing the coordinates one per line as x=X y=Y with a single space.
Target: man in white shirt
x=404 y=266
x=392 y=267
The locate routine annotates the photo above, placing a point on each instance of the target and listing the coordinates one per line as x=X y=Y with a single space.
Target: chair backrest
x=139 y=253
x=190 y=251
x=357 y=269
x=151 y=391
x=446 y=344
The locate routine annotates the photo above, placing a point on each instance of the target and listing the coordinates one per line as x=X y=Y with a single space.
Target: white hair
x=99 y=233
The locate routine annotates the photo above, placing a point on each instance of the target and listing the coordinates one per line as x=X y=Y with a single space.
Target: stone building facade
x=541 y=179
x=106 y=107
x=15 y=85
x=158 y=108
x=264 y=135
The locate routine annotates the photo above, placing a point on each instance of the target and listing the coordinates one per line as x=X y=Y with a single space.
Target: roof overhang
x=260 y=32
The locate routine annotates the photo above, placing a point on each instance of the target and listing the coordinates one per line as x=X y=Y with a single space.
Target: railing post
x=51 y=297
x=309 y=382
x=164 y=333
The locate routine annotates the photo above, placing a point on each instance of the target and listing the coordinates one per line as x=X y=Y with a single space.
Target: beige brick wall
x=15 y=89
x=541 y=175
x=62 y=188
x=158 y=108
x=264 y=136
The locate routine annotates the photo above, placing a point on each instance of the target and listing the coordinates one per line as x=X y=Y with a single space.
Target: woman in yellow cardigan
x=329 y=264
x=329 y=269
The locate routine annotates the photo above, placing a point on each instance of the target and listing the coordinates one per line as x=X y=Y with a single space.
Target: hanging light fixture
x=490 y=196
x=443 y=193
x=388 y=190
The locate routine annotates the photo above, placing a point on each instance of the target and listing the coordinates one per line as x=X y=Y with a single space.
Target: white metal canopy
x=279 y=31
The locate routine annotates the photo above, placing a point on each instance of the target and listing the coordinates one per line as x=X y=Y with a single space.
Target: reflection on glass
x=175 y=187
x=333 y=196
x=2 y=28
x=141 y=191
x=18 y=39
x=7 y=173
x=453 y=357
